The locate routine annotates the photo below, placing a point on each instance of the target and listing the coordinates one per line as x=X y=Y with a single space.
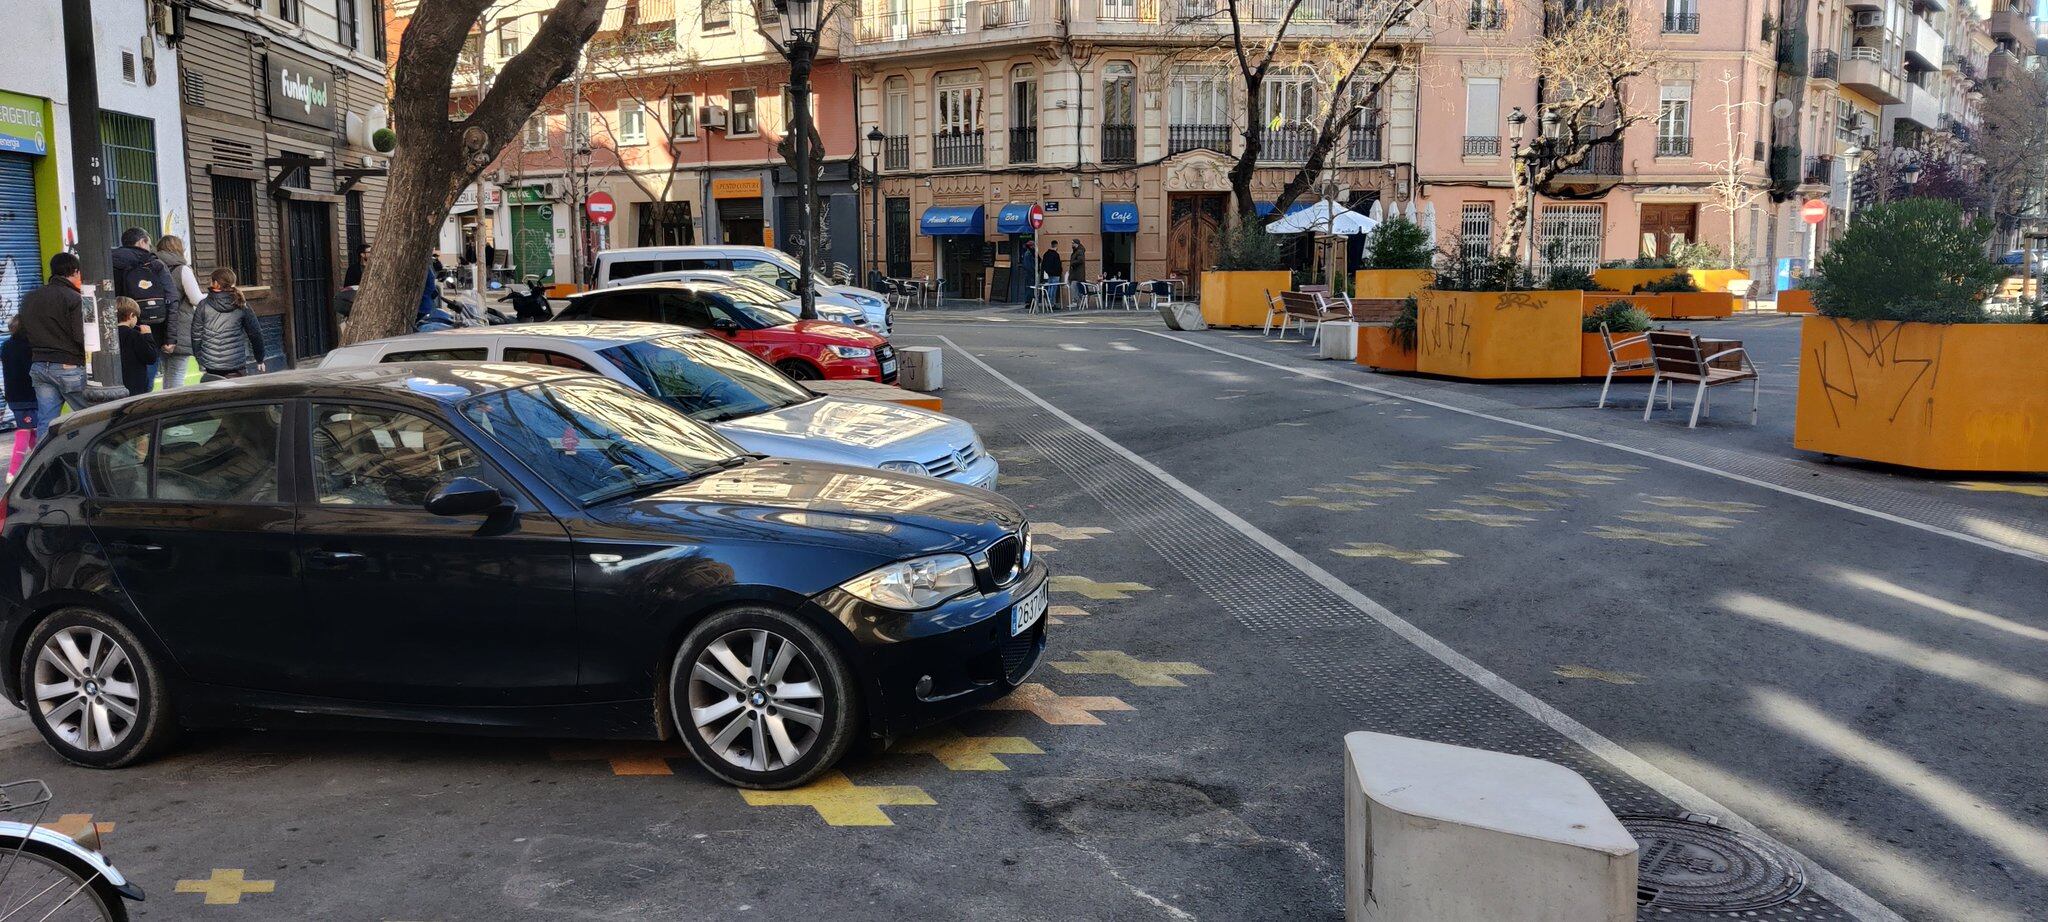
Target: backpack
x=143 y=282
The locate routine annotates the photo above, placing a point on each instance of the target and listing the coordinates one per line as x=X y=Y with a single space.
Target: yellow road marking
x=1384 y=477
x=1689 y=521
x=1560 y=477
x=1666 y=538
x=1421 y=558
x=1488 y=519
x=627 y=759
x=1082 y=585
x=1432 y=468
x=1986 y=486
x=1532 y=488
x=1598 y=675
x=1067 y=532
x=840 y=802
x=75 y=825
x=962 y=753
x=1500 y=502
x=1327 y=505
x=1601 y=468
x=226 y=887
x=1351 y=489
x=1130 y=669
x=1055 y=708
x=1680 y=502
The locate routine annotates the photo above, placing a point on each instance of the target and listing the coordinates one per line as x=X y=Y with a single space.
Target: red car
x=802 y=349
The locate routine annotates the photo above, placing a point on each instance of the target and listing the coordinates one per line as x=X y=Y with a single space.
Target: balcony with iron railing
x=1024 y=144
x=1602 y=159
x=1672 y=146
x=958 y=148
x=1482 y=146
x=932 y=23
x=896 y=152
x=1681 y=23
x=1558 y=16
x=2013 y=25
x=1820 y=171
x=1213 y=15
x=1197 y=137
x=1826 y=65
x=1119 y=143
x=1486 y=14
x=1865 y=70
x=1365 y=144
x=1289 y=144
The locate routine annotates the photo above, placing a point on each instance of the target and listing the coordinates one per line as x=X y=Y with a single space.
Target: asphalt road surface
x=1259 y=553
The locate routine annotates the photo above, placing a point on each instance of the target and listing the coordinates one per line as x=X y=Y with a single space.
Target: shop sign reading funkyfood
x=300 y=90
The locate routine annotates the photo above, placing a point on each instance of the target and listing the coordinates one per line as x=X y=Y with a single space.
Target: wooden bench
x=1306 y=309
x=1678 y=357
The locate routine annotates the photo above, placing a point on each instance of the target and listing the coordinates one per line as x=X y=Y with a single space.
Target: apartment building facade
x=1110 y=122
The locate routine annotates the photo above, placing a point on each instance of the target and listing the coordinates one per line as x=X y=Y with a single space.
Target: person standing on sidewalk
x=21 y=393
x=1077 y=270
x=137 y=346
x=225 y=337
x=140 y=275
x=53 y=322
x=1049 y=267
x=176 y=339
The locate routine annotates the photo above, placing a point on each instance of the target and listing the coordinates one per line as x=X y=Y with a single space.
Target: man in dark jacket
x=140 y=274
x=53 y=322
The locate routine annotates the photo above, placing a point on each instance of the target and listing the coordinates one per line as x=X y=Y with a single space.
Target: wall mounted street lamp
x=798 y=25
x=874 y=139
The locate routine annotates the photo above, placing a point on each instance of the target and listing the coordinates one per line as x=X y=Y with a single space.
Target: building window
x=1198 y=110
x=345 y=18
x=508 y=44
x=956 y=120
x=632 y=124
x=1292 y=104
x=1475 y=231
x=288 y=10
x=1482 y=117
x=1024 y=120
x=353 y=224
x=128 y=148
x=742 y=112
x=717 y=15
x=1570 y=235
x=536 y=135
x=377 y=28
x=1674 y=120
x=579 y=129
x=896 y=124
x=1119 y=113
x=1486 y=14
x=682 y=117
x=1681 y=16
x=234 y=226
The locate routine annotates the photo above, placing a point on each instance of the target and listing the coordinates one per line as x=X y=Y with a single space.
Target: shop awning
x=946 y=220
x=1266 y=208
x=1015 y=218
x=1119 y=217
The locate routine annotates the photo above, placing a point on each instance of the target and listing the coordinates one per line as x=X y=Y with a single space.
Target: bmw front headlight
x=911 y=585
x=903 y=467
x=851 y=352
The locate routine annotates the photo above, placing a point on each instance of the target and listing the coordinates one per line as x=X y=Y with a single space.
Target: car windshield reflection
x=598 y=441
x=709 y=380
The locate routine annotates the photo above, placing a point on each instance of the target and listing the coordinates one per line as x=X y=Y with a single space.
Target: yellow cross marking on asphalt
x=1558 y=477
x=1986 y=486
x=1067 y=532
x=1500 y=502
x=1055 y=708
x=1421 y=558
x=1019 y=480
x=1384 y=477
x=1601 y=468
x=1327 y=505
x=1673 y=518
x=1130 y=669
x=1489 y=446
x=1432 y=468
x=75 y=825
x=962 y=753
x=1488 y=519
x=1084 y=586
x=840 y=802
x=1666 y=538
x=1598 y=675
x=1532 y=488
x=1680 y=502
x=1059 y=613
x=1356 y=490
x=226 y=887
x=627 y=759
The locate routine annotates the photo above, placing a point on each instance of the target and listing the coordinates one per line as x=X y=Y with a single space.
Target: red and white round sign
x=600 y=207
x=1037 y=216
x=1814 y=211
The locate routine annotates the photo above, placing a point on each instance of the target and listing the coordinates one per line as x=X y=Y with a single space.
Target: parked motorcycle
x=531 y=305
x=45 y=874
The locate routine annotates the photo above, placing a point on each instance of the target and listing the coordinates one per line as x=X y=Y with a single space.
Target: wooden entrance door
x=1194 y=219
x=1668 y=222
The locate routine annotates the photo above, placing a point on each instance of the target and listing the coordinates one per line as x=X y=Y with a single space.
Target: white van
x=617 y=267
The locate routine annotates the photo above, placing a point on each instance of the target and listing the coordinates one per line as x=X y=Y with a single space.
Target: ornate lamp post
x=798 y=27
x=874 y=139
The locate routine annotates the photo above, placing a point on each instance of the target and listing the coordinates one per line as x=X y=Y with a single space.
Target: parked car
x=742 y=397
x=802 y=349
x=493 y=548
x=762 y=292
x=617 y=267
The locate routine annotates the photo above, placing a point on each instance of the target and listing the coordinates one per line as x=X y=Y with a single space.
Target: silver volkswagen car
x=744 y=398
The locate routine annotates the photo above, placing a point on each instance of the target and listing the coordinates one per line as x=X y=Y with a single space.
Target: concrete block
x=1437 y=833
x=920 y=368
x=1339 y=340
x=1182 y=315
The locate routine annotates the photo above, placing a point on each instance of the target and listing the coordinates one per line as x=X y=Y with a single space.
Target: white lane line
x=1123 y=347
x=1839 y=891
x=1070 y=347
x=1617 y=446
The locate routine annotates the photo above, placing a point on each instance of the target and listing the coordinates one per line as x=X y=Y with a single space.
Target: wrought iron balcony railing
x=1482 y=146
x=1119 y=143
x=958 y=148
x=896 y=152
x=1024 y=144
x=1197 y=137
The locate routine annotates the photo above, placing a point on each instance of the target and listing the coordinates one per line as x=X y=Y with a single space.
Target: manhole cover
x=1684 y=864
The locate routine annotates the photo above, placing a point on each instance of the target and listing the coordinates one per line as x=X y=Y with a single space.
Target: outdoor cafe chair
x=1616 y=364
x=1677 y=358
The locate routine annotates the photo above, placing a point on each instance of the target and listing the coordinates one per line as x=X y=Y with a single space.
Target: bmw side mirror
x=466 y=496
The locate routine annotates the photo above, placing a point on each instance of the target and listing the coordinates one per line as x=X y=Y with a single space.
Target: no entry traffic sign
x=600 y=207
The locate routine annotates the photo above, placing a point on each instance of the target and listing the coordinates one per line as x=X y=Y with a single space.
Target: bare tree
x=643 y=71
x=2014 y=146
x=439 y=153
x=1734 y=192
x=1590 y=52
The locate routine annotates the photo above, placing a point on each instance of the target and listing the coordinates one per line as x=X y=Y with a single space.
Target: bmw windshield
x=709 y=380
x=596 y=441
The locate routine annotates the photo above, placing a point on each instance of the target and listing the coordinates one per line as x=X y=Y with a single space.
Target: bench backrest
x=1301 y=304
x=1677 y=352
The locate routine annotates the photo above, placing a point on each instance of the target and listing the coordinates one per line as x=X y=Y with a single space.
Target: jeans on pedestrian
x=174 y=368
x=56 y=386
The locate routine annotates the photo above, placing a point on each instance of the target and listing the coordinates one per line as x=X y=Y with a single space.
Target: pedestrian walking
x=139 y=274
x=1049 y=267
x=1077 y=271
x=176 y=336
x=20 y=393
x=225 y=337
x=53 y=322
x=137 y=346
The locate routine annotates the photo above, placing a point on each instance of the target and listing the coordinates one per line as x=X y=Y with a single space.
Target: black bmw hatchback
x=502 y=548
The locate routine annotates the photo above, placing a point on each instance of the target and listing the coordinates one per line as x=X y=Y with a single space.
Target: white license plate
x=889 y=367
x=1027 y=611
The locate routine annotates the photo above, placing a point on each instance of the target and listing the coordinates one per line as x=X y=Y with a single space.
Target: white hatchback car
x=617 y=267
x=742 y=397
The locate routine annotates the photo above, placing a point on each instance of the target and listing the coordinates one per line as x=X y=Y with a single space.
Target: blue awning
x=1015 y=218
x=1266 y=208
x=1119 y=217
x=944 y=220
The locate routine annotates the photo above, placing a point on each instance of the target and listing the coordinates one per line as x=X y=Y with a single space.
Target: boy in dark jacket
x=137 y=347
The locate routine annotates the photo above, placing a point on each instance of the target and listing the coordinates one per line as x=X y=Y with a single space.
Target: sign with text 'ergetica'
x=299 y=90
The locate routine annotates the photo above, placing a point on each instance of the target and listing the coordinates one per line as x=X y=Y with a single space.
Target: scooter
x=531 y=306
x=45 y=874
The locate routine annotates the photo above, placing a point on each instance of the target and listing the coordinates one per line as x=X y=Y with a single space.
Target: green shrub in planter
x=1461 y=271
x=1402 y=330
x=1619 y=316
x=1247 y=247
x=1675 y=282
x=1917 y=260
x=1569 y=278
x=1398 y=243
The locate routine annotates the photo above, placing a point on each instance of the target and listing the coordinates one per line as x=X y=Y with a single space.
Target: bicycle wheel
x=38 y=884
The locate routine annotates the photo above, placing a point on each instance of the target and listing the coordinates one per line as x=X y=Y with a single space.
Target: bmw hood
x=862 y=432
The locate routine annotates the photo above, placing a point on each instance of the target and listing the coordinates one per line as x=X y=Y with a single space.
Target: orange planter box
x=1593 y=357
x=1238 y=299
x=1389 y=283
x=1376 y=349
x=1626 y=280
x=1795 y=301
x=1962 y=397
x=1701 y=304
x=1492 y=335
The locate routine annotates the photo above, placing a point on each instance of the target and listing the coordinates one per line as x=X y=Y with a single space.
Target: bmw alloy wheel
x=756 y=700
x=86 y=688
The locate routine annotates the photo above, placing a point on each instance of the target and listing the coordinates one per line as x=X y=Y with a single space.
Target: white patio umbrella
x=1429 y=222
x=1324 y=217
x=1375 y=213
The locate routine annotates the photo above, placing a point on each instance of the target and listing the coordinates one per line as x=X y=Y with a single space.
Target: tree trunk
x=1254 y=144
x=1520 y=203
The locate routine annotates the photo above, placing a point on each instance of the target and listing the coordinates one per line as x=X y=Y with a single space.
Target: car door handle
x=333 y=560
x=134 y=547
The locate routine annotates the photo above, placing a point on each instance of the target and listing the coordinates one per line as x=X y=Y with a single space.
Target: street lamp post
x=874 y=139
x=800 y=24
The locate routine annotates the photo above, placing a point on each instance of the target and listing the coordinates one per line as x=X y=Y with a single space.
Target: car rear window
x=634 y=268
x=438 y=355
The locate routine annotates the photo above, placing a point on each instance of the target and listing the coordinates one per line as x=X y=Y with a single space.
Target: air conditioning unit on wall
x=1869 y=19
x=711 y=117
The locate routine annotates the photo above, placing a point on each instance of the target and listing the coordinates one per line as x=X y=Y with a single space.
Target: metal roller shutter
x=21 y=256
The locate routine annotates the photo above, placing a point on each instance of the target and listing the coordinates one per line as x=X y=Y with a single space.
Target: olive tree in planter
x=1902 y=364
x=1398 y=259
x=1251 y=265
